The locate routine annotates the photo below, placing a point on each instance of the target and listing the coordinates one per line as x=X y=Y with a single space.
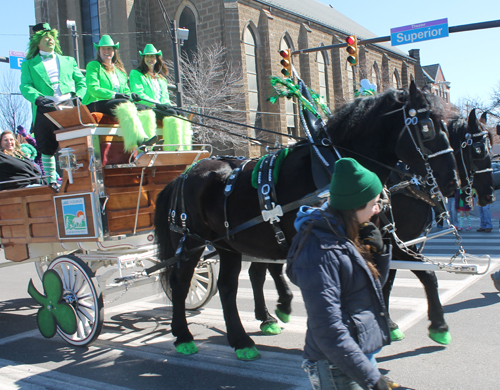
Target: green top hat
x=149 y=49
x=106 y=41
x=41 y=27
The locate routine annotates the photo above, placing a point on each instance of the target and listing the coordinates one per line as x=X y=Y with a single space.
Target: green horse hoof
x=248 y=354
x=270 y=329
x=282 y=316
x=397 y=335
x=440 y=337
x=187 y=348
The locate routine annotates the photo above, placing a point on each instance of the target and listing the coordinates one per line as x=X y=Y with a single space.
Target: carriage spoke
x=83 y=312
x=80 y=282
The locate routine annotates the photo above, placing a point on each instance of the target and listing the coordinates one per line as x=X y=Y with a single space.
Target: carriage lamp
x=67 y=161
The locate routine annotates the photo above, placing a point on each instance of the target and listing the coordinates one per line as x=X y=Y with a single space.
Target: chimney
x=419 y=75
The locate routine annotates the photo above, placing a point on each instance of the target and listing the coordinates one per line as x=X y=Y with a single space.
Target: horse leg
x=285 y=295
x=257 y=273
x=396 y=333
x=230 y=267
x=180 y=281
x=438 y=329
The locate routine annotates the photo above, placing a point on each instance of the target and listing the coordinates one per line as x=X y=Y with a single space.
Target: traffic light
x=286 y=62
x=352 y=49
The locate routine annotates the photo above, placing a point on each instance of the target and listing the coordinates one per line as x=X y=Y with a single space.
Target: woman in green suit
x=108 y=92
x=48 y=77
x=149 y=79
x=149 y=82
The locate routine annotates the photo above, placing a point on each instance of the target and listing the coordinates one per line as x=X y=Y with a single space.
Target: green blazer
x=99 y=85
x=142 y=85
x=35 y=80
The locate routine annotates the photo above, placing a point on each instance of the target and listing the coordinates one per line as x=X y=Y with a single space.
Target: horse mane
x=456 y=126
x=357 y=118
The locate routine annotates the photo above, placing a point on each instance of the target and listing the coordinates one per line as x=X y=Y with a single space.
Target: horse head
x=424 y=144
x=393 y=126
x=472 y=147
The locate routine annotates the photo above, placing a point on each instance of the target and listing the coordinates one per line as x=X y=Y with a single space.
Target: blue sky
x=15 y=17
x=470 y=60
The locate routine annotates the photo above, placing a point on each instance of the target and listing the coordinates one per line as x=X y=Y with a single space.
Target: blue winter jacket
x=346 y=315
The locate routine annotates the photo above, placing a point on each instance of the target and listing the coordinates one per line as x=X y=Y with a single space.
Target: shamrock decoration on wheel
x=54 y=311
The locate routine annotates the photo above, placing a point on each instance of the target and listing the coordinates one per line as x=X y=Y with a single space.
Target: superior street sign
x=419 y=32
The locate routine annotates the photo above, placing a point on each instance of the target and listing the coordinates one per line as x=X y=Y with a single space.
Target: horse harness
x=322 y=160
x=425 y=133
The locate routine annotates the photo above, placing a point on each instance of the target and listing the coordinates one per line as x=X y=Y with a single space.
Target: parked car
x=496 y=174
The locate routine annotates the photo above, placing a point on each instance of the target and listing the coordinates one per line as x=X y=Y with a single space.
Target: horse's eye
x=412 y=112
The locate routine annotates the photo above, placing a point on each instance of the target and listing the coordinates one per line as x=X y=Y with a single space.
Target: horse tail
x=163 y=239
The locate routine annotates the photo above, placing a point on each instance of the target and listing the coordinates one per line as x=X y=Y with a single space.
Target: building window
x=188 y=20
x=395 y=80
x=350 y=81
x=323 y=77
x=252 y=77
x=373 y=77
x=90 y=28
x=289 y=104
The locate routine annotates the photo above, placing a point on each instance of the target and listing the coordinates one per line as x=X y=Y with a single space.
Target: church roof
x=329 y=17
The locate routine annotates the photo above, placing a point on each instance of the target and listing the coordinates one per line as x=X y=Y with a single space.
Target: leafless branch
x=15 y=110
x=212 y=87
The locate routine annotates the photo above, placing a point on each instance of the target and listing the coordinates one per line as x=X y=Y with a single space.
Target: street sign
x=419 y=32
x=16 y=58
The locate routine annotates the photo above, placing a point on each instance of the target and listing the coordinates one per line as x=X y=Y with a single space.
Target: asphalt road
x=135 y=349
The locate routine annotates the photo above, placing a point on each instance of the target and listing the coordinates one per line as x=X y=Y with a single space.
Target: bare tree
x=15 y=110
x=213 y=88
x=495 y=102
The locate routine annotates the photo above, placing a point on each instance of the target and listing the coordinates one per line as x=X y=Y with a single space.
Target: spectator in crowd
x=15 y=165
x=485 y=224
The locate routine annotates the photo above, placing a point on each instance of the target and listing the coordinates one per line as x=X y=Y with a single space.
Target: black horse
x=193 y=209
x=471 y=145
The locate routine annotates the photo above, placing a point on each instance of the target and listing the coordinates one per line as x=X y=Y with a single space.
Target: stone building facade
x=253 y=32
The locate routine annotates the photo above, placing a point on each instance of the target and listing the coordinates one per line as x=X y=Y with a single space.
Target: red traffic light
x=286 y=63
x=352 y=49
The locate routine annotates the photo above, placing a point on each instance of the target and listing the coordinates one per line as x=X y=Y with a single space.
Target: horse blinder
x=423 y=123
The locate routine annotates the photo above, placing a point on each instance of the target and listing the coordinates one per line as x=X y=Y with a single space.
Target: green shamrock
x=54 y=311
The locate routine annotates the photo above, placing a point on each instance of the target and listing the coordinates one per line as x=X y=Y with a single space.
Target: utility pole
x=176 y=42
x=72 y=25
x=177 y=64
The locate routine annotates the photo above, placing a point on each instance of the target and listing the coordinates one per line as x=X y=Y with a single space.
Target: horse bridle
x=425 y=132
x=475 y=151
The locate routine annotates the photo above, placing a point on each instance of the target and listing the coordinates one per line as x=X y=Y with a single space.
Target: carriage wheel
x=83 y=293
x=203 y=285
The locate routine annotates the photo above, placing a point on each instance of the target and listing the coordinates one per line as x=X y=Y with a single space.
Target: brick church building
x=253 y=32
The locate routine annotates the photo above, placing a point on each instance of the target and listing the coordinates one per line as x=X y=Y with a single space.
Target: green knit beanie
x=352 y=185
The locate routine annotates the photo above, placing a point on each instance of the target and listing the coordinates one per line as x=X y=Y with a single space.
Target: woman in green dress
x=108 y=92
x=149 y=82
